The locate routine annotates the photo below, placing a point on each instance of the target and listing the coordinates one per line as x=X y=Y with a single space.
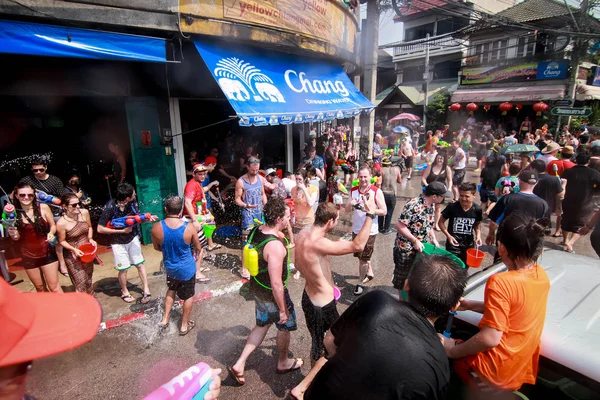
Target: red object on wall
x=471 y=107
x=505 y=107
x=455 y=107
x=487 y=107
x=540 y=107
x=518 y=107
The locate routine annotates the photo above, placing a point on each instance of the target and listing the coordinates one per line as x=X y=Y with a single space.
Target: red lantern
x=505 y=107
x=540 y=107
x=455 y=107
x=487 y=107
x=518 y=107
x=471 y=107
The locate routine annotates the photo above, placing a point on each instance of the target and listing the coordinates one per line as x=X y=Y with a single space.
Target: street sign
x=578 y=111
x=563 y=103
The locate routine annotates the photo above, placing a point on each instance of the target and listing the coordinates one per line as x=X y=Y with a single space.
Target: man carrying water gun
x=125 y=242
x=268 y=287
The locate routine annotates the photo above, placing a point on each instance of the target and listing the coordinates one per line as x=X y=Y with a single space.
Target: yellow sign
x=312 y=17
x=326 y=20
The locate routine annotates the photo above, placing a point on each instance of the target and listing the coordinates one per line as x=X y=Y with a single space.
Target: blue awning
x=269 y=87
x=59 y=41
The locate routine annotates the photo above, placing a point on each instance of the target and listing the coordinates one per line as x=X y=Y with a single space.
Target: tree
x=437 y=110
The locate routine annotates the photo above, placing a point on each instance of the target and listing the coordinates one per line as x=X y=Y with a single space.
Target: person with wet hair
x=504 y=354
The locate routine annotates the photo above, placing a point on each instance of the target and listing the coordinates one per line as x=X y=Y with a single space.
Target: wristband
x=371 y=215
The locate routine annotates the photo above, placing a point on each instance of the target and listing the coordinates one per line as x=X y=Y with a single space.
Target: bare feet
x=297 y=393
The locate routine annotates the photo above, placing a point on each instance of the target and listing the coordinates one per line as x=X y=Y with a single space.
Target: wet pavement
x=130 y=361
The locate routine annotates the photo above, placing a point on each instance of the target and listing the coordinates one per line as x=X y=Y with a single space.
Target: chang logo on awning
x=300 y=84
x=238 y=76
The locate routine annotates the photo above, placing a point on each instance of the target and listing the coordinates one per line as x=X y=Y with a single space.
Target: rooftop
x=534 y=10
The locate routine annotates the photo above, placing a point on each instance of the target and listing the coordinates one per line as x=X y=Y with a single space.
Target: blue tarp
x=58 y=41
x=269 y=87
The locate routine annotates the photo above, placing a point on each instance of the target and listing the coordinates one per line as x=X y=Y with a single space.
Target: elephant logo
x=234 y=90
x=241 y=80
x=269 y=92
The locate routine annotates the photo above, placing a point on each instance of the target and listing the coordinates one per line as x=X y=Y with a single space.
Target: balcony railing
x=442 y=45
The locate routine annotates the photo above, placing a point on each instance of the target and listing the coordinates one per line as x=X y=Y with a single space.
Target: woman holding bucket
x=74 y=230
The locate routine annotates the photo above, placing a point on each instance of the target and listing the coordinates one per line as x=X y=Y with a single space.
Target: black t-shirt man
x=461 y=223
x=527 y=203
x=547 y=188
x=385 y=350
x=51 y=185
x=489 y=176
x=582 y=183
x=111 y=211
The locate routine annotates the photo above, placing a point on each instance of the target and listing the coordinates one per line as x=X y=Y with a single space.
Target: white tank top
x=358 y=217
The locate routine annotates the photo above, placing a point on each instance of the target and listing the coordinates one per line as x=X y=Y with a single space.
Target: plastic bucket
x=474 y=258
x=209 y=229
x=336 y=293
x=429 y=249
x=89 y=252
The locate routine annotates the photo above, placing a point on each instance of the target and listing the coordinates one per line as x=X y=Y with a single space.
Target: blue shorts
x=267 y=313
x=488 y=195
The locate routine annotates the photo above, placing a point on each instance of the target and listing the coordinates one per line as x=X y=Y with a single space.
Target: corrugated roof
x=417 y=6
x=533 y=10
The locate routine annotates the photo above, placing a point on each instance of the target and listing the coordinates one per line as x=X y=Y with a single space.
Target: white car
x=570 y=350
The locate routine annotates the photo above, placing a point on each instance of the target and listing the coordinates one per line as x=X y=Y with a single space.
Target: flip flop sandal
x=205 y=269
x=216 y=247
x=368 y=278
x=557 y=235
x=145 y=298
x=64 y=273
x=127 y=298
x=295 y=367
x=190 y=325
x=202 y=280
x=237 y=377
x=358 y=290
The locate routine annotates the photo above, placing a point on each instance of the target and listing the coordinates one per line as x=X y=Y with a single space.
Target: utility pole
x=367 y=122
x=579 y=49
x=426 y=82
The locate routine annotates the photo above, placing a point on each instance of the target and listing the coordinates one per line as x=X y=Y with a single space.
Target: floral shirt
x=419 y=220
x=317 y=162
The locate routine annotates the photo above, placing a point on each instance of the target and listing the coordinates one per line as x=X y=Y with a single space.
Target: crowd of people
x=355 y=354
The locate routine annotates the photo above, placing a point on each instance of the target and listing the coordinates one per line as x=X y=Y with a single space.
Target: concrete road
x=130 y=361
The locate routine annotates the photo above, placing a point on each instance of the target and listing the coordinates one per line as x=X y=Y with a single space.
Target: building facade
x=67 y=105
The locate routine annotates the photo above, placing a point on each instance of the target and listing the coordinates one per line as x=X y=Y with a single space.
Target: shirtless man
x=312 y=260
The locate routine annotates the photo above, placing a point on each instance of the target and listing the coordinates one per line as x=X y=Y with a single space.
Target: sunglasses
x=74 y=205
x=38 y=169
x=25 y=195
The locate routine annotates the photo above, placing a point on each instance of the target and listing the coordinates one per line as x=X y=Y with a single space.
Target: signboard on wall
x=596 y=77
x=531 y=71
x=327 y=20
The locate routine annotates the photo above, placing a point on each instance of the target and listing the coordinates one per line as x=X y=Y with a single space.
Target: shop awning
x=268 y=87
x=59 y=41
x=587 y=92
x=521 y=93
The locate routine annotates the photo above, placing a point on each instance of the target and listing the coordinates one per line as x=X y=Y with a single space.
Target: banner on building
x=327 y=20
x=531 y=71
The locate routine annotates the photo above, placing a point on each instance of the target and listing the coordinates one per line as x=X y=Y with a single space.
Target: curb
x=136 y=316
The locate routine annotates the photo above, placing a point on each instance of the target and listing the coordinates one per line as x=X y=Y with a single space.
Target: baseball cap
x=199 y=168
x=37 y=325
x=210 y=160
x=529 y=176
x=270 y=171
x=438 y=189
